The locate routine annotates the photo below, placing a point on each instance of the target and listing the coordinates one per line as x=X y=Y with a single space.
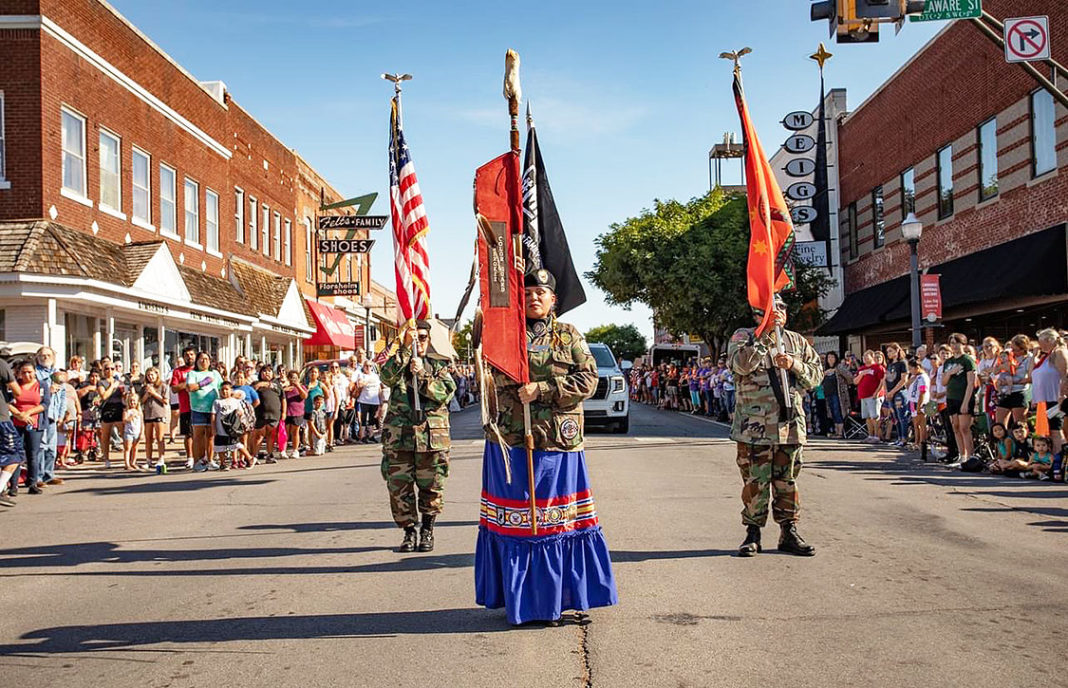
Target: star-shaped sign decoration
x=821 y=56
x=760 y=247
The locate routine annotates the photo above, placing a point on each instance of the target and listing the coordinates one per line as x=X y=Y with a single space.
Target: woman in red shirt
x=25 y=411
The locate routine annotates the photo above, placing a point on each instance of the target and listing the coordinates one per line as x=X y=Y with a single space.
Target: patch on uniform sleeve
x=565 y=338
x=569 y=429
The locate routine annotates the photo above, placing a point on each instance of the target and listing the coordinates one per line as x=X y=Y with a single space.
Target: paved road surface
x=285 y=576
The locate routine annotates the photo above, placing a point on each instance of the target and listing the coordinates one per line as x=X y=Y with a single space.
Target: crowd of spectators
x=217 y=418
x=983 y=406
x=697 y=386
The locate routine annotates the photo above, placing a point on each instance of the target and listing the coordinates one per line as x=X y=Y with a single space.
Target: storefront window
x=151 y=346
x=79 y=330
x=123 y=345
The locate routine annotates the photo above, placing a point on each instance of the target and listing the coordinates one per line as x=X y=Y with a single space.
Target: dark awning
x=1034 y=265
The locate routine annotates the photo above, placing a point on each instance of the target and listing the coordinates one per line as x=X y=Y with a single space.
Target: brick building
x=975 y=147
x=141 y=209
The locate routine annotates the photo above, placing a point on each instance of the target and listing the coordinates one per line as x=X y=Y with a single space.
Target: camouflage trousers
x=405 y=472
x=766 y=475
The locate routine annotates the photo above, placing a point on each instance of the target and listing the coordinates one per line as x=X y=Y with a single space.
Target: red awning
x=332 y=328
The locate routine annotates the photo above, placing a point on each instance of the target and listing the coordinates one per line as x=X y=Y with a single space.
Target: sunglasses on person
x=424 y=337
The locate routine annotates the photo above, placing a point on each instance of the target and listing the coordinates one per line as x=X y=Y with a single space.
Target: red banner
x=930 y=298
x=499 y=203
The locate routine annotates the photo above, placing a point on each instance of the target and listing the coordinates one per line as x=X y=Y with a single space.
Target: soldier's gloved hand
x=528 y=392
x=416 y=366
x=784 y=361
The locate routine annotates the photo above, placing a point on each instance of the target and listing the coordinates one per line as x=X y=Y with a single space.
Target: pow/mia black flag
x=544 y=242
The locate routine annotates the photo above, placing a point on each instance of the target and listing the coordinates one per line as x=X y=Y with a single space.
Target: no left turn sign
x=1027 y=39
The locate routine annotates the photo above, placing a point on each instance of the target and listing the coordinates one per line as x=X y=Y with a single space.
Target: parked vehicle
x=610 y=404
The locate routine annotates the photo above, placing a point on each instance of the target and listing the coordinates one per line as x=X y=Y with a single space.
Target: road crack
x=584 y=650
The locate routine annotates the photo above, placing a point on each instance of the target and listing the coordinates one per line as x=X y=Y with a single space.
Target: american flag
x=410 y=227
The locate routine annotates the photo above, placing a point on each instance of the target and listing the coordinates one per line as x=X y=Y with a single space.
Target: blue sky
x=627 y=96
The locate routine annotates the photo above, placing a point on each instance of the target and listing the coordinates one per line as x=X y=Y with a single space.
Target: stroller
x=855 y=428
x=87 y=437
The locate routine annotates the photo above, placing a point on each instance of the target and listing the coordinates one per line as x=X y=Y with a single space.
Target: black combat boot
x=791 y=543
x=409 y=539
x=752 y=542
x=426 y=534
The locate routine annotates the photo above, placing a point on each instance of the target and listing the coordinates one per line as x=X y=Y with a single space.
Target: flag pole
x=513 y=93
x=397 y=80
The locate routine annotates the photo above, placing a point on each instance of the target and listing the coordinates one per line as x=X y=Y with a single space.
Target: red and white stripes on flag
x=410 y=227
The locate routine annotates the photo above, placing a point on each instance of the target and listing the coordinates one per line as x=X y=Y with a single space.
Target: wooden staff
x=513 y=94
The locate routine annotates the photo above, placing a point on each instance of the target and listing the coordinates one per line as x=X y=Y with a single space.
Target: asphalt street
x=285 y=575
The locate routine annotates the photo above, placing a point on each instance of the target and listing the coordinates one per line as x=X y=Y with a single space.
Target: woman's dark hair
x=914 y=363
x=999 y=425
x=827 y=358
x=24 y=362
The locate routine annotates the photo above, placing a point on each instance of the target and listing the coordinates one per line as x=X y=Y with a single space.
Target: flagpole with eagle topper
x=769 y=268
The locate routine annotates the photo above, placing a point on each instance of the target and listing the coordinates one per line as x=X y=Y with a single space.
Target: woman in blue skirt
x=565 y=565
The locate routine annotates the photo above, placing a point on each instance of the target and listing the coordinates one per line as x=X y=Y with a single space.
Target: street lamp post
x=911 y=230
x=368 y=301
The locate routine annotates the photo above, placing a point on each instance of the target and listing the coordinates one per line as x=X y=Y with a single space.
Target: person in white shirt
x=341 y=384
x=918 y=395
x=370 y=390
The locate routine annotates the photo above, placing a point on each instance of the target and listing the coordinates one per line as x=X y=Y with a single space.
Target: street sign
x=803 y=214
x=930 y=297
x=352 y=221
x=1027 y=39
x=801 y=191
x=799 y=143
x=800 y=167
x=337 y=289
x=812 y=253
x=796 y=121
x=345 y=245
x=941 y=10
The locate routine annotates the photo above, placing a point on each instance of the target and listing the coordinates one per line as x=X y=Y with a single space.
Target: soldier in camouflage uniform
x=770 y=436
x=416 y=443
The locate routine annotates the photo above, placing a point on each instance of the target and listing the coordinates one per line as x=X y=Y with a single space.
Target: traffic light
x=857 y=21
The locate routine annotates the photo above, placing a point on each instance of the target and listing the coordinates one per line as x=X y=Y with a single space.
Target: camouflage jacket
x=566 y=373
x=758 y=418
x=405 y=429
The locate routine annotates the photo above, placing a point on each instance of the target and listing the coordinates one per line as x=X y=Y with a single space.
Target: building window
x=877 y=219
x=1043 y=133
x=110 y=171
x=239 y=215
x=141 y=163
x=945 y=182
x=211 y=219
x=289 y=242
x=265 y=231
x=853 y=243
x=192 y=212
x=168 y=194
x=988 y=159
x=73 y=152
x=3 y=147
x=908 y=193
x=308 y=249
x=277 y=237
x=253 y=230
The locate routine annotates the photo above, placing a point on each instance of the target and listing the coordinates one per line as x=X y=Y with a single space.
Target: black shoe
x=751 y=546
x=792 y=543
x=426 y=534
x=409 y=540
x=33 y=489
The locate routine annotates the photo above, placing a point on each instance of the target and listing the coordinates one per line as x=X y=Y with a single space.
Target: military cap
x=422 y=325
x=540 y=278
x=780 y=304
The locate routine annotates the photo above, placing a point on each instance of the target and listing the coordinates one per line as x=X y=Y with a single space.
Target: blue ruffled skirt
x=567 y=565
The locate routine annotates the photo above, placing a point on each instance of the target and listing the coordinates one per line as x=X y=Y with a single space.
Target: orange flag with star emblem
x=771 y=231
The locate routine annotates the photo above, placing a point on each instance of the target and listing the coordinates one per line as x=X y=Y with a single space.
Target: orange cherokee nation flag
x=499 y=209
x=771 y=231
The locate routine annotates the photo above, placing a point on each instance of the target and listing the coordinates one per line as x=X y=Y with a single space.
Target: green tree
x=687 y=262
x=625 y=341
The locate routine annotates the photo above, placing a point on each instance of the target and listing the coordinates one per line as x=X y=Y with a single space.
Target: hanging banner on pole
x=930 y=298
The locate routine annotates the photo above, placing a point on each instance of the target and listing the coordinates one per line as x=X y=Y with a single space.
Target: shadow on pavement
x=111 y=553
x=169 y=485
x=628 y=556
x=67 y=639
x=345 y=525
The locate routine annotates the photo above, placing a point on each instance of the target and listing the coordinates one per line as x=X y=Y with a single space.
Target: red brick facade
x=133 y=90
x=941 y=97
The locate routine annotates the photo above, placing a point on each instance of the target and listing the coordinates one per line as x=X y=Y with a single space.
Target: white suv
x=610 y=404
